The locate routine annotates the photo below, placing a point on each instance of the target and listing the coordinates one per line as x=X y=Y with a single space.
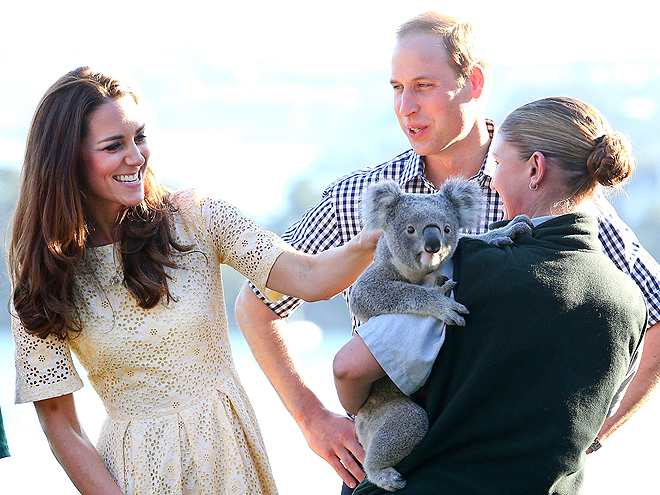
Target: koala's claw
x=389 y=479
x=444 y=284
x=453 y=318
x=450 y=312
x=520 y=225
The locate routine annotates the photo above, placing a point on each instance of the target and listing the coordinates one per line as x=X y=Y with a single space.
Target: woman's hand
x=368 y=237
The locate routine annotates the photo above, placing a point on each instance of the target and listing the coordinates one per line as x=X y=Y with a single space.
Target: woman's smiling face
x=115 y=156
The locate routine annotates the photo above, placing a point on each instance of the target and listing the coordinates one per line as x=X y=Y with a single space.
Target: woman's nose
x=135 y=156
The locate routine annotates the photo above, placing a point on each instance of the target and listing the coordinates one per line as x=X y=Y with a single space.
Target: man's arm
x=330 y=435
x=623 y=248
x=642 y=386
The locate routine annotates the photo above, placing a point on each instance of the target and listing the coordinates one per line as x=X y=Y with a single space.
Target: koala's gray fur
x=420 y=233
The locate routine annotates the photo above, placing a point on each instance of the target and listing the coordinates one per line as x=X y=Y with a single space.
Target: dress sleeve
x=239 y=241
x=44 y=368
x=315 y=232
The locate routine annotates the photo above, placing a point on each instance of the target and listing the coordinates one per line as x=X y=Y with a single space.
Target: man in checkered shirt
x=440 y=96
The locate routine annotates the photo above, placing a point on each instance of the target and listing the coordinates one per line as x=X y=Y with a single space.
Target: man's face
x=430 y=100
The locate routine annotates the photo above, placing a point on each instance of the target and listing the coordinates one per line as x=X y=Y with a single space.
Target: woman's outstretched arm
x=324 y=275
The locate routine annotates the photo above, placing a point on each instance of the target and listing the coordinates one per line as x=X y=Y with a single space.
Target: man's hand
x=332 y=437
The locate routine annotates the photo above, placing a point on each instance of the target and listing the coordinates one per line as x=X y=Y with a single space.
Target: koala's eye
x=447 y=229
x=410 y=229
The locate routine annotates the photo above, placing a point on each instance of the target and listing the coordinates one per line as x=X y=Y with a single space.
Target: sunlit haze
x=248 y=42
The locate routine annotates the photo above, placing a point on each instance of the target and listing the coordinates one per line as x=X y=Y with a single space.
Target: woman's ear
x=537 y=169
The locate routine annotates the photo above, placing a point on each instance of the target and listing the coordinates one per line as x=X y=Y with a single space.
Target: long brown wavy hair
x=50 y=233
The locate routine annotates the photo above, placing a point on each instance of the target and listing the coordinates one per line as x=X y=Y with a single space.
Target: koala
x=420 y=233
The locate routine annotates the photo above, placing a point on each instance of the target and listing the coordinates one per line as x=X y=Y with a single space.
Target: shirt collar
x=536 y=221
x=488 y=167
x=414 y=166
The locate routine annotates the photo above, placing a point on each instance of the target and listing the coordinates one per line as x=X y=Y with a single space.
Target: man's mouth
x=414 y=130
x=128 y=178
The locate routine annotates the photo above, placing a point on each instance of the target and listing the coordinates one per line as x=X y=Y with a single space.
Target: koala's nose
x=431 y=239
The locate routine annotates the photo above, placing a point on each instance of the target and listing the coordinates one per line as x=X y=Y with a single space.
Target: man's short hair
x=459 y=38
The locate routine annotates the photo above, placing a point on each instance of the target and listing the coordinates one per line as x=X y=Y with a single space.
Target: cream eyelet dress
x=179 y=421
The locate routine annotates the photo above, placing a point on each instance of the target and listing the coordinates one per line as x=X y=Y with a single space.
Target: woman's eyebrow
x=121 y=136
x=111 y=138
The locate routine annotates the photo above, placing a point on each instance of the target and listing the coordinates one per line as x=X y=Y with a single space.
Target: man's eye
x=140 y=138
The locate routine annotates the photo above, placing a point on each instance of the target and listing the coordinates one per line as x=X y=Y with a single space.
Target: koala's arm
x=374 y=294
x=520 y=225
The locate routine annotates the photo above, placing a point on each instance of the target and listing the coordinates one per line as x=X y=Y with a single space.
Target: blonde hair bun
x=611 y=163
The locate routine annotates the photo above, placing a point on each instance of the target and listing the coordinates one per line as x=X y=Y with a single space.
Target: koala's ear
x=377 y=200
x=467 y=198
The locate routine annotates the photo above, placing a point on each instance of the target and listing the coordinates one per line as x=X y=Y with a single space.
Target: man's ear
x=477 y=82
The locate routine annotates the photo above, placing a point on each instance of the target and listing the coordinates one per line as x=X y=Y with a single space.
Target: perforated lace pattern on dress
x=178 y=420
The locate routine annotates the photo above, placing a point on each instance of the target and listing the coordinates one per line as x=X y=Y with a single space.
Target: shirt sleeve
x=623 y=248
x=405 y=346
x=315 y=232
x=44 y=368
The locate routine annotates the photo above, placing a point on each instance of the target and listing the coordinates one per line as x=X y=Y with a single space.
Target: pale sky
x=308 y=36
x=40 y=41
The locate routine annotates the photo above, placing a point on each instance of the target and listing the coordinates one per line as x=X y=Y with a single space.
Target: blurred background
x=265 y=103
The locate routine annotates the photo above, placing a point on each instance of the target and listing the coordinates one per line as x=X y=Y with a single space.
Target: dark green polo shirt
x=516 y=396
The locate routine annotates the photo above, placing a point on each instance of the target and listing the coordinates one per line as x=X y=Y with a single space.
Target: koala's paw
x=450 y=311
x=520 y=225
x=443 y=284
x=389 y=479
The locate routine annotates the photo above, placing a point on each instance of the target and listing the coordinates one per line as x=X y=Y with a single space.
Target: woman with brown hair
x=126 y=274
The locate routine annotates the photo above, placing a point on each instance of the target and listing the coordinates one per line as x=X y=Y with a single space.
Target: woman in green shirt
x=517 y=396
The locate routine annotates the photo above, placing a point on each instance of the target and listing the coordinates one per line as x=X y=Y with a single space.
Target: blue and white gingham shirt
x=336 y=219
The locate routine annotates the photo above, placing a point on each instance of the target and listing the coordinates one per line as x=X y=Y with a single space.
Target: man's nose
x=407 y=103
